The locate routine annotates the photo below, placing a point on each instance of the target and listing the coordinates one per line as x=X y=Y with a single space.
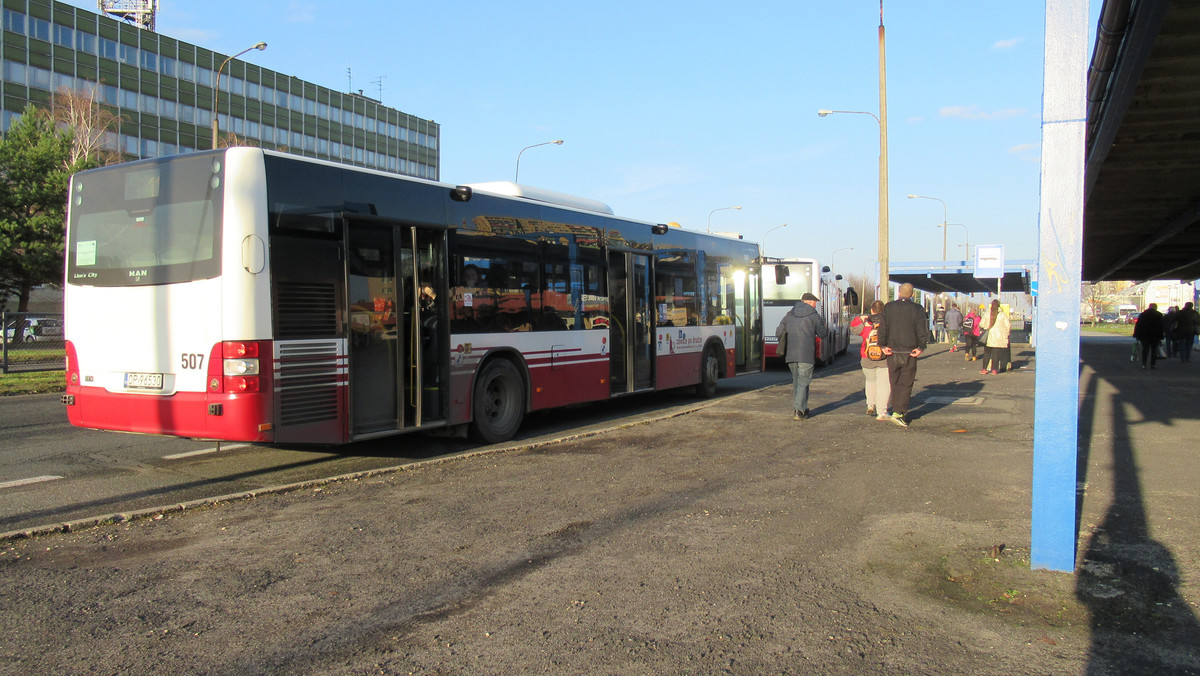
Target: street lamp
x=845 y=248
x=217 y=90
x=883 y=172
x=737 y=208
x=559 y=142
x=966 y=245
x=944 y=219
x=764 y=238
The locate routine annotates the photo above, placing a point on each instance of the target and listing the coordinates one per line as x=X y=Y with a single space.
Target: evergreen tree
x=35 y=166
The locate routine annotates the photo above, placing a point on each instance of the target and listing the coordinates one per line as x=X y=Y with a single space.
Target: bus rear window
x=146 y=223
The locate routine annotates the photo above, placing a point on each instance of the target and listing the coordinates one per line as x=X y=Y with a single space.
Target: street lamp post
x=883 y=170
x=737 y=208
x=945 y=218
x=764 y=237
x=558 y=142
x=845 y=248
x=217 y=90
x=966 y=241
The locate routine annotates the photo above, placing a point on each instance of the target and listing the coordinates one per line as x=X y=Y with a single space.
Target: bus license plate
x=144 y=381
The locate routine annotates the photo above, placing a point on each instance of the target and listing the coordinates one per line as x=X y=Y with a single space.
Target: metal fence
x=33 y=341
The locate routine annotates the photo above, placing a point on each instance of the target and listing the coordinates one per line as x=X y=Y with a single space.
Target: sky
x=672 y=111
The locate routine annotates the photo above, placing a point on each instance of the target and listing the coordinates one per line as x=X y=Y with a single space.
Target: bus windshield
x=786 y=282
x=146 y=223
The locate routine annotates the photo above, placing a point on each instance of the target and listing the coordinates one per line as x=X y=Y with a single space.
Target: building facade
x=162 y=89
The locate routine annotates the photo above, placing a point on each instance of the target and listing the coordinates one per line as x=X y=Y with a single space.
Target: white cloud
x=1006 y=44
x=1022 y=148
x=974 y=112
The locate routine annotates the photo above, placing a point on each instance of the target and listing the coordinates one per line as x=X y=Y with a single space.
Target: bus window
x=675 y=290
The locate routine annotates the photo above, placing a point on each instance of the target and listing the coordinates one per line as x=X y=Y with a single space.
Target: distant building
x=1166 y=293
x=163 y=90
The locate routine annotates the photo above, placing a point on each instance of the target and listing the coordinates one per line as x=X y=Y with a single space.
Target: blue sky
x=670 y=110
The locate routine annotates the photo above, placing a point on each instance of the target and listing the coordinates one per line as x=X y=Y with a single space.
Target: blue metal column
x=1060 y=255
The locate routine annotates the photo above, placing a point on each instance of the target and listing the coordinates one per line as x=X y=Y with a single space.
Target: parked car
x=36 y=329
x=1110 y=318
x=1132 y=317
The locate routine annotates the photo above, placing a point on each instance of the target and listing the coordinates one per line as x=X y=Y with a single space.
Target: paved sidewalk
x=727 y=540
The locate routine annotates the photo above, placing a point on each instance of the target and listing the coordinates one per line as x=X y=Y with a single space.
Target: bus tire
x=710 y=371
x=498 y=403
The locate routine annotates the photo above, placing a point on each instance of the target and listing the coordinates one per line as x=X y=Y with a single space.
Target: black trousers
x=902 y=372
x=1149 y=350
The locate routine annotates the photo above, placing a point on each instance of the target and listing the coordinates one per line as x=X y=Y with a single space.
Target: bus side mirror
x=461 y=193
x=781 y=274
x=659 y=228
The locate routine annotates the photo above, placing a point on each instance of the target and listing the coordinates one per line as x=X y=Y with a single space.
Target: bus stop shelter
x=959 y=277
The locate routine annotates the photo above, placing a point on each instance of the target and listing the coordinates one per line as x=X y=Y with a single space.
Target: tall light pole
x=966 y=241
x=737 y=208
x=558 y=142
x=945 y=218
x=845 y=248
x=764 y=237
x=217 y=90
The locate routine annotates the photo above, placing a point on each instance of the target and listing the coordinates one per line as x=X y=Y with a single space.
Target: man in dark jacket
x=801 y=326
x=1148 y=330
x=1187 y=325
x=903 y=334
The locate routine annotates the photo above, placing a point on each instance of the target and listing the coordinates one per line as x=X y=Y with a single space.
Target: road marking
x=26 y=482
x=203 y=451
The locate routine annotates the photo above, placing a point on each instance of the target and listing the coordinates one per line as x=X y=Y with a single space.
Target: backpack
x=874 y=349
x=968 y=326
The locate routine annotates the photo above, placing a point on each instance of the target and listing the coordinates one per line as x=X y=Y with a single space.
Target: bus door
x=631 y=334
x=393 y=285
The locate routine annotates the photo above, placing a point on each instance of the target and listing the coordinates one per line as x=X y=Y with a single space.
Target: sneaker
x=883 y=416
x=995 y=372
x=870 y=410
x=800 y=415
x=795 y=415
x=898 y=418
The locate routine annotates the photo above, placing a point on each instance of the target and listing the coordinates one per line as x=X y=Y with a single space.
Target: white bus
x=785 y=280
x=250 y=295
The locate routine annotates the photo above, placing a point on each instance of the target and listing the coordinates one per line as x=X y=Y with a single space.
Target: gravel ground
x=728 y=540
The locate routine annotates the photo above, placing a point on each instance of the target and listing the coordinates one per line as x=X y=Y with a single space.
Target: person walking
x=996 y=353
x=801 y=326
x=954 y=322
x=1169 y=331
x=971 y=334
x=903 y=333
x=1187 y=324
x=939 y=324
x=1148 y=331
x=877 y=382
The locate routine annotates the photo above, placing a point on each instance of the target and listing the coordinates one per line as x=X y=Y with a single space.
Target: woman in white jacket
x=996 y=353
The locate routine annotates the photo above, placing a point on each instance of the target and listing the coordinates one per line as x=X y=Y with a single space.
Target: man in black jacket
x=903 y=334
x=1148 y=330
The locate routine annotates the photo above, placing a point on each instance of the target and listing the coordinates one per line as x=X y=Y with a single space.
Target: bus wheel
x=499 y=401
x=710 y=366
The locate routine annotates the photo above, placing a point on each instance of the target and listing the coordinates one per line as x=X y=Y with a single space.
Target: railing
x=32 y=341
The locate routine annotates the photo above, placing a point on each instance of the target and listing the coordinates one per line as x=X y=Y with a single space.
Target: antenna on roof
x=378 y=82
x=137 y=12
x=349 y=80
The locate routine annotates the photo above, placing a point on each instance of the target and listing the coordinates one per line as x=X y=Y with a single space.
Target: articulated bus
x=784 y=282
x=250 y=295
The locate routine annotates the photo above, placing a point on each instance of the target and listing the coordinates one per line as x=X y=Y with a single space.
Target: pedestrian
x=970 y=332
x=1148 y=331
x=903 y=334
x=954 y=322
x=1169 y=331
x=801 y=326
x=877 y=382
x=1187 y=324
x=996 y=352
x=939 y=324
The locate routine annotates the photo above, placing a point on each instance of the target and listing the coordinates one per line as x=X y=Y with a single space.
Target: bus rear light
x=240 y=369
x=241 y=384
x=238 y=349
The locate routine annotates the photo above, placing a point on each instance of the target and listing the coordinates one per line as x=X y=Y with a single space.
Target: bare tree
x=78 y=111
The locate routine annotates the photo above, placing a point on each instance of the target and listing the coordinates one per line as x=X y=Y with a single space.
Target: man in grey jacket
x=801 y=326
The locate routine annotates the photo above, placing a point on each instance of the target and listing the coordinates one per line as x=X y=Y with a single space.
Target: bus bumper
x=225 y=417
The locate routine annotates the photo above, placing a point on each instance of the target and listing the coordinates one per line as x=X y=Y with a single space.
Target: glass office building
x=162 y=89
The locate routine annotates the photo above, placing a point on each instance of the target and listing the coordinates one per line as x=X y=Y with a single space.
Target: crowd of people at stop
x=1165 y=336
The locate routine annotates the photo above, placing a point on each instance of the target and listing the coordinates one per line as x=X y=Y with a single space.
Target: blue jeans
x=801 y=377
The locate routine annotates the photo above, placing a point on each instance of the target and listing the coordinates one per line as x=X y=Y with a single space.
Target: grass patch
x=32 y=382
x=1110 y=329
x=999 y=582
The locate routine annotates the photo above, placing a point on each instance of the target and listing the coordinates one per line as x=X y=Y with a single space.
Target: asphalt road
x=51 y=472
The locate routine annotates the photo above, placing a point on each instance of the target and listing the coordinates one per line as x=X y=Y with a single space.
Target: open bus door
x=631 y=335
x=395 y=285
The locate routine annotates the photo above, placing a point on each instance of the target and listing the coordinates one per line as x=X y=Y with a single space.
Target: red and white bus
x=250 y=295
x=785 y=280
